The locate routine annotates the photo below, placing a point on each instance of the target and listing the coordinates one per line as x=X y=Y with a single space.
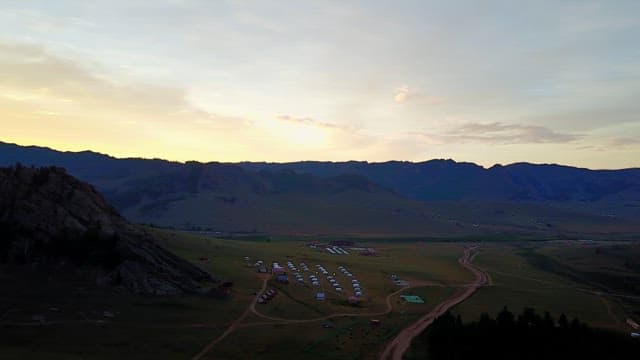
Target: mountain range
x=440 y=198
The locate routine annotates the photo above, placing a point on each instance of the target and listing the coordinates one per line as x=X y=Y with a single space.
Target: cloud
x=623 y=142
x=403 y=95
x=61 y=102
x=49 y=83
x=313 y=122
x=498 y=133
x=65 y=103
x=434 y=100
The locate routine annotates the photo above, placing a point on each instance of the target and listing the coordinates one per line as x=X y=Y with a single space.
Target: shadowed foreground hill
x=52 y=221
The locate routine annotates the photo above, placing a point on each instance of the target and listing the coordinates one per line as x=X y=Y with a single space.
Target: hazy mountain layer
x=434 y=198
x=604 y=192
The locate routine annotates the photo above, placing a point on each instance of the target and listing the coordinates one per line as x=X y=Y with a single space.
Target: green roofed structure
x=414 y=299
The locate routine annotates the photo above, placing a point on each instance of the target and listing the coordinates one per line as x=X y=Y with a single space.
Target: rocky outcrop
x=46 y=215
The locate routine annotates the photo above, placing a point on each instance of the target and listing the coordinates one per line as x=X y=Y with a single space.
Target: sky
x=480 y=81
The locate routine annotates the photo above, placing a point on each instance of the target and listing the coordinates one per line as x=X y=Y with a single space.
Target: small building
x=342 y=243
x=328 y=324
x=413 y=299
x=320 y=296
x=226 y=288
x=367 y=253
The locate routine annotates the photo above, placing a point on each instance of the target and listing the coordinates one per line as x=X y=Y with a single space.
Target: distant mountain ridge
x=450 y=180
x=437 y=197
x=601 y=192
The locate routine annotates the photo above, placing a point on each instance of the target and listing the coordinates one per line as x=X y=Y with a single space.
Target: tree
x=505 y=319
x=485 y=321
x=529 y=317
x=534 y=337
x=458 y=323
x=563 y=323
x=548 y=322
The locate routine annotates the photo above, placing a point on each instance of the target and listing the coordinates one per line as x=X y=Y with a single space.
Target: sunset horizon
x=213 y=160
x=555 y=82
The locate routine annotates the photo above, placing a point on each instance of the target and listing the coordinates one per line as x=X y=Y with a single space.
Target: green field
x=433 y=265
x=178 y=328
x=544 y=276
x=522 y=275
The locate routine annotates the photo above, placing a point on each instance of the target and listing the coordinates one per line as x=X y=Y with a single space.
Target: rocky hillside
x=48 y=218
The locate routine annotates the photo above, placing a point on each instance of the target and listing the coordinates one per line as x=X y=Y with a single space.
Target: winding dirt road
x=399 y=345
x=237 y=324
x=234 y=325
x=295 y=321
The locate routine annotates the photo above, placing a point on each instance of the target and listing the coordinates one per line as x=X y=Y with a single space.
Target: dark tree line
x=526 y=336
x=92 y=248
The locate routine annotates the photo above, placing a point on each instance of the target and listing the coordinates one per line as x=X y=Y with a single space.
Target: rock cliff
x=48 y=216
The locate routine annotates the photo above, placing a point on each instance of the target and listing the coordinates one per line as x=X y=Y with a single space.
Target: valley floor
x=42 y=318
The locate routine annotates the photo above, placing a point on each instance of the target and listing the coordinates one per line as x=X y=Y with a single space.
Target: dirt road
x=399 y=345
x=237 y=324
x=234 y=325
x=295 y=321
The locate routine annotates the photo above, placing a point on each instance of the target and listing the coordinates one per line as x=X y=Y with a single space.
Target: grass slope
x=520 y=279
x=358 y=213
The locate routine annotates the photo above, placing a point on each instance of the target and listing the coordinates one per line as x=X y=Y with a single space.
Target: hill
x=435 y=198
x=601 y=192
x=53 y=222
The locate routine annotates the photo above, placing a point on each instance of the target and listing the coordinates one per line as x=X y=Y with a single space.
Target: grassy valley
x=182 y=327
